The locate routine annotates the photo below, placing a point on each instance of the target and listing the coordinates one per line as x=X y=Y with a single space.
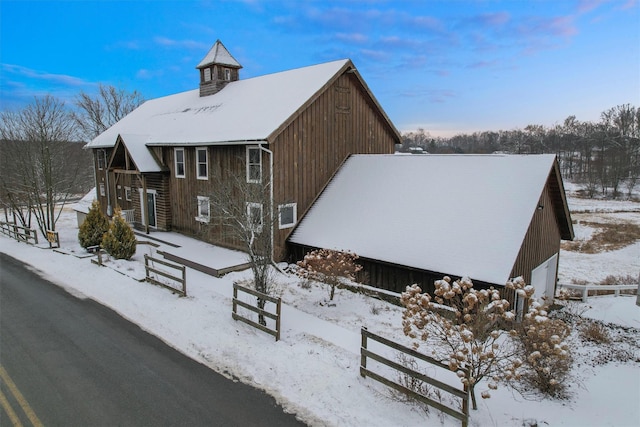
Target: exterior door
x=148 y=207
x=543 y=278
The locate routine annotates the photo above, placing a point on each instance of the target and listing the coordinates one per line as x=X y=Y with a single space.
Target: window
x=127 y=193
x=254 y=165
x=102 y=192
x=254 y=215
x=201 y=163
x=207 y=74
x=287 y=215
x=101 y=158
x=119 y=192
x=204 y=210
x=227 y=74
x=179 y=160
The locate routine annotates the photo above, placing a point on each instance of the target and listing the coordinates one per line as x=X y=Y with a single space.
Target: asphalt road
x=65 y=361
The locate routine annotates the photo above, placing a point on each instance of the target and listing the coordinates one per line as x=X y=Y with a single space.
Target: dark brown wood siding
x=542 y=240
x=102 y=178
x=121 y=183
x=341 y=121
x=391 y=277
x=224 y=161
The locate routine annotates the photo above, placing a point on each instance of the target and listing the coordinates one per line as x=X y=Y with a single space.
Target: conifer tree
x=119 y=241
x=93 y=228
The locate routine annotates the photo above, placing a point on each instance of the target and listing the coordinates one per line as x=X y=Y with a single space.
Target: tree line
x=42 y=161
x=603 y=156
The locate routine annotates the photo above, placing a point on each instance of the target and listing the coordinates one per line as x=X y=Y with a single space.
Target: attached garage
x=413 y=219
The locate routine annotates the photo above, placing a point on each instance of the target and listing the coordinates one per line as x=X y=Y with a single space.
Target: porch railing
x=128 y=216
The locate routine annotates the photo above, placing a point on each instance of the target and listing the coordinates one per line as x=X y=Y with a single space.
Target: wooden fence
x=365 y=353
x=149 y=266
x=275 y=316
x=18 y=232
x=599 y=289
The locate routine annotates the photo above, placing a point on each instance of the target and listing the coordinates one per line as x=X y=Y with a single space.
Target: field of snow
x=313 y=370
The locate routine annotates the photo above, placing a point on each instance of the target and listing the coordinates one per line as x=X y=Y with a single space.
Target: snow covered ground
x=314 y=370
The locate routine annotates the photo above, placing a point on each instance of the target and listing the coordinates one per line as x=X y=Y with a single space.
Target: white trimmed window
x=127 y=193
x=102 y=192
x=254 y=215
x=207 y=74
x=204 y=209
x=287 y=215
x=119 y=192
x=102 y=155
x=254 y=165
x=179 y=162
x=202 y=164
x=227 y=74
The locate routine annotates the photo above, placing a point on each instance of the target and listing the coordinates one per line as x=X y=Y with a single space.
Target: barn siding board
x=222 y=161
x=315 y=144
x=388 y=276
x=542 y=239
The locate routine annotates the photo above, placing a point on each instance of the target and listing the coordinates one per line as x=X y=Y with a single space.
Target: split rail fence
x=584 y=289
x=179 y=278
x=275 y=316
x=18 y=232
x=365 y=353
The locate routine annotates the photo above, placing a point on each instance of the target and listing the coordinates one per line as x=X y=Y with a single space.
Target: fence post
x=465 y=406
x=363 y=356
x=184 y=280
x=235 y=298
x=278 y=306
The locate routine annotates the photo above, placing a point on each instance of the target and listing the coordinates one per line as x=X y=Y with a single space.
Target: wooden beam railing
x=181 y=280
x=18 y=232
x=366 y=353
x=584 y=289
x=261 y=312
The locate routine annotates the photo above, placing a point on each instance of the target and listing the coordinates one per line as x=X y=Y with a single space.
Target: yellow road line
x=9 y=410
x=20 y=398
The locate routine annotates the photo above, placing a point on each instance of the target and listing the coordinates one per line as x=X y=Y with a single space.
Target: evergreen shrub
x=94 y=226
x=119 y=241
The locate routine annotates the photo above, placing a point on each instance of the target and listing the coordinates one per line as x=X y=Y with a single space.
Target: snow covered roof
x=219 y=55
x=245 y=110
x=143 y=158
x=464 y=215
x=83 y=205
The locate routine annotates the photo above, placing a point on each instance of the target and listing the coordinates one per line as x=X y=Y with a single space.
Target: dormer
x=217 y=69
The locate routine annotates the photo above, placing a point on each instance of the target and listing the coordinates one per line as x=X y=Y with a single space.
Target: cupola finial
x=217 y=69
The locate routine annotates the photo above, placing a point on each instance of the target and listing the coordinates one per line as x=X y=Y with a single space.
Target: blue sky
x=445 y=66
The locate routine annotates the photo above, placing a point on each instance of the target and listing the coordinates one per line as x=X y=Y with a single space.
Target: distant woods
x=42 y=161
x=603 y=156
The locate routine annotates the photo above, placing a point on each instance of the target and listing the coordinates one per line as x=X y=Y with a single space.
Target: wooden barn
x=414 y=219
x=294 y=128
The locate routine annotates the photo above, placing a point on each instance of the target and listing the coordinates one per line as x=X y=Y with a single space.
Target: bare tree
x=240 y=211
x=41 y=164
x=96 y=114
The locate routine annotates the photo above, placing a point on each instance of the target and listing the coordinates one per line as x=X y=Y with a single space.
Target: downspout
x=266 y=150
x=106 y=174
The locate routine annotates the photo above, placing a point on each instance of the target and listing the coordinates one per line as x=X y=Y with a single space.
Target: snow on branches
x=329 y=267
x=474 y=331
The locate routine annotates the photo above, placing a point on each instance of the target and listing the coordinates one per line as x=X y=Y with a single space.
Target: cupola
x=217 y=69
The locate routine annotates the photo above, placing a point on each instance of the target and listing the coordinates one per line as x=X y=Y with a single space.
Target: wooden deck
x=196 y=254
